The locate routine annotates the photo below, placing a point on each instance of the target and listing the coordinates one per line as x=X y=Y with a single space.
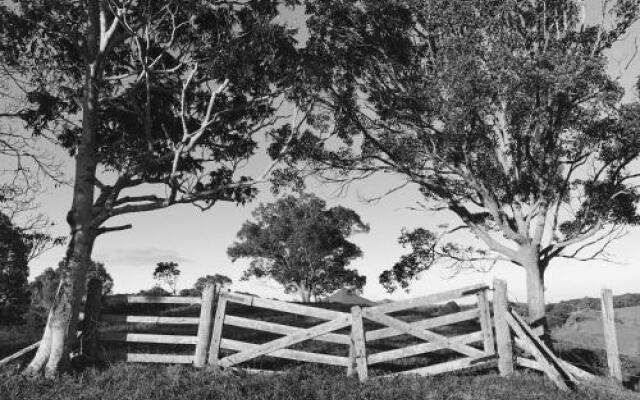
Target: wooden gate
x=292 y=335
x=423 y=329
x=358 y=340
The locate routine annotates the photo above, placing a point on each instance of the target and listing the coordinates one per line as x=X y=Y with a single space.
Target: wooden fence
x=107 y=323
x=500 y=333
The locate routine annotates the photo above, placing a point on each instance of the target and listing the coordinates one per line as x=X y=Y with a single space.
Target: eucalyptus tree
x=158 y=102
x=302 y=245
x=167 y=272
x=501 y=113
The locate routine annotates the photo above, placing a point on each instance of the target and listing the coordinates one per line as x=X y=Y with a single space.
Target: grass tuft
x=158 y=382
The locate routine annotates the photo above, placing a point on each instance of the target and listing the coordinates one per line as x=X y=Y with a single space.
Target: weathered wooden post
x=352 y=359
x=218 y=323
x=610 y=338
x=485 y=322
x=92 y=311
x=204 y=326
x=359 y=353
x=503 y=332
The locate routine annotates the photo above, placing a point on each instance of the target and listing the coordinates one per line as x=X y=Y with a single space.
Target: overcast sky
x=198 y=241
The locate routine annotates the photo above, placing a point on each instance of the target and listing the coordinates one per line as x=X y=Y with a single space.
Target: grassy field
x=127 y=381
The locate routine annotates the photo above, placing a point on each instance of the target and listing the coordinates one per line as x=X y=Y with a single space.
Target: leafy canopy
x=184 y=89
x=43 y=288
x=501 y=112
x=167 y=273
x=301 y=244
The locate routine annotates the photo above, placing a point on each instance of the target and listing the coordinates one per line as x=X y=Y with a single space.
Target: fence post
x=92 y=311
x=352 y=360
x=218 y=323
x=610 y=339
x=204 y=326
x=358 y=343
x=485 y=322
x=503 y=332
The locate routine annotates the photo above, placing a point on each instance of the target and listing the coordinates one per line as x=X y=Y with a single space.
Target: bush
x=152 y=382
x=155 y=291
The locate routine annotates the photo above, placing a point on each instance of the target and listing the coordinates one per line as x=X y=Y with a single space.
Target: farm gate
x=503 y=337
x=356 y=342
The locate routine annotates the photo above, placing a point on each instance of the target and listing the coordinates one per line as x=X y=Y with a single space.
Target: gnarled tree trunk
x=60 y=331
x=535 y=291
x=59 y=334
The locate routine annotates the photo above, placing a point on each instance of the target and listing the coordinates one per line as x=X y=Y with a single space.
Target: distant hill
x=583 y=329
x=346 y=296
x=558 y=313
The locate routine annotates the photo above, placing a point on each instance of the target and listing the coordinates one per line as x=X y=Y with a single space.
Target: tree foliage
x=171 y=113
x=155 y=291
x=302 y=245
x=14 y=269
x=167 y=273
x=44 y=286
x=501 y=112
x=218 y=281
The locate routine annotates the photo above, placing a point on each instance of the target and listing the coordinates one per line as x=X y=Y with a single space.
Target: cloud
x=139 y=256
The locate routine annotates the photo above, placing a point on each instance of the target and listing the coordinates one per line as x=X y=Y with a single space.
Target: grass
x=127 y=381
x=16 y=337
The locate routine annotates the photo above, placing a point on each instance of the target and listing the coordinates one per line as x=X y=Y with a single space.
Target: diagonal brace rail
x=286 y=341
x=427 y=335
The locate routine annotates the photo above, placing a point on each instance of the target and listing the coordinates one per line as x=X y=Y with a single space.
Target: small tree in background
x=302 y=245
x=167 y=273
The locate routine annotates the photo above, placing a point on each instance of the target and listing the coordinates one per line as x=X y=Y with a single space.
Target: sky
x=197 y=240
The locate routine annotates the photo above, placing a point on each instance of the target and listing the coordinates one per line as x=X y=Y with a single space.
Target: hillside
x=558 y=313
x=584 y=328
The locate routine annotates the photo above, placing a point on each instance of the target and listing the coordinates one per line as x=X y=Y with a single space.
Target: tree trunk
x=305 y=293
x=535 y=294
x=60 y=331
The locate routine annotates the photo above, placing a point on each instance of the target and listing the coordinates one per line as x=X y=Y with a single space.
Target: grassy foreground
x=127 y=381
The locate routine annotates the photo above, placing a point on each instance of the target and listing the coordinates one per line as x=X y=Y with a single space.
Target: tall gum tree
x=500 y=112
x=159 y=102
